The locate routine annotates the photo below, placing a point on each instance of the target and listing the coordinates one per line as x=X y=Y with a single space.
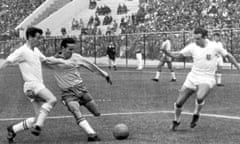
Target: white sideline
x=134 y=113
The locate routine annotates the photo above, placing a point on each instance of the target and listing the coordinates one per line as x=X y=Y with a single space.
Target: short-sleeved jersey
x=167 y=46
x=204 y=59
x=70 y=76
x=29 y=62
x=111 y=49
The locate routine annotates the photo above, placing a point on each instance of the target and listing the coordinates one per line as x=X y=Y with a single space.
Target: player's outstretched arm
x=5 y=64
x=232 y=60
x=94 y=68
x=51 y=62
x=172 y=54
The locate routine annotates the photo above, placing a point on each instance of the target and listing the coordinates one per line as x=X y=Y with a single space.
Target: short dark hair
x=202 y=31
x=32 y=31
x=216 y=34
x=66 y=41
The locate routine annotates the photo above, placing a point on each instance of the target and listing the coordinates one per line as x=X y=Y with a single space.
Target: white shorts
x=220 y=61
x=193 y=80
x=33 y=86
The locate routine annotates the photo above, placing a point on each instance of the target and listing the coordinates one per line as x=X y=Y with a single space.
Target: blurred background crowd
x=152 y=16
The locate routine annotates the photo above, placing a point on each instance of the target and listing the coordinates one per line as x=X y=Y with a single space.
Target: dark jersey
x=111 y=51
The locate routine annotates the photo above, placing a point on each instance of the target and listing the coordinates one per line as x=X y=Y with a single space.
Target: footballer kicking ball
x=120 y=131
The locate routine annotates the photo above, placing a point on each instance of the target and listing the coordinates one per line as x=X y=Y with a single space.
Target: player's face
x=216 y=38
x=36 y=41
x=69 y=50
x=164 y=37
x=199 y=40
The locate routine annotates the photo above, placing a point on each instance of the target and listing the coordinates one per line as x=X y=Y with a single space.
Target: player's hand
x=108 y=79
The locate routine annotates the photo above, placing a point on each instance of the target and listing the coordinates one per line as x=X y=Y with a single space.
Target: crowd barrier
x=94 y=46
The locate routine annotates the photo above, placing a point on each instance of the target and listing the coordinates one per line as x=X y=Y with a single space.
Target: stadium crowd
x=172 y=15
x=14 y=12
x=152 y=15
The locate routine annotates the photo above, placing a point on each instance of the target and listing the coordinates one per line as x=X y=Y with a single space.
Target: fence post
x=80 y=46
x=95 y=49
x=231 y=44
x=126 y=51
x=55 y=44
x=144 y=48
x=184 y=43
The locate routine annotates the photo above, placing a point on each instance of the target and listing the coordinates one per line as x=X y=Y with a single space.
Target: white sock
x=173 y=75
x=24 y=125
x=43 y=113
x=198 y=107
x=86 y=127
x=157 y=75
x=178 y=111
x=219 y=78
x=114 y=63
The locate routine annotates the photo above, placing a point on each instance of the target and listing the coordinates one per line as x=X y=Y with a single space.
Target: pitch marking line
x=134 y=113
x=178 y=73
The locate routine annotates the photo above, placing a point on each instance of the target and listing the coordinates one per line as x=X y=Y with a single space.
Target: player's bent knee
x=200 y=101
x=177 y=105
x=86 y=98
x=53 y=101
x=73 y=106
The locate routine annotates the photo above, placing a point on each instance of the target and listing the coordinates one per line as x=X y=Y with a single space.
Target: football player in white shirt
x=28 y=57
x=201 y=78
x=217 y=39
x=165 y=59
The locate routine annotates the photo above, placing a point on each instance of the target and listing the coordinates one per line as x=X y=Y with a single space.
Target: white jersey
x=167 y=45
x=220 y=45
x=204 y=59
x=29 y=62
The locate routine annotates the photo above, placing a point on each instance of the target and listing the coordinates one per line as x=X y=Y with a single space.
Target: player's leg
x=114 y=63
x=88 y=102
x=219 y=75
x=170 y=67
x=109 y=62
x=46 y=107
x=74 y=108
x=140 y=61
x=219 y=71
x=18 y=127
x=159 y=70
x=23 y=125
x=202 y=92
x=92 y=107
x=184 y=94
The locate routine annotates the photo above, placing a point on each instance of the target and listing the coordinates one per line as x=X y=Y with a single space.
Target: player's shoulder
x=21 y=49
x=191 y=45
x=216 y=45
x=76 y=56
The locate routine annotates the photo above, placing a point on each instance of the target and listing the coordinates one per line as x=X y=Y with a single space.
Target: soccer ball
x=120 y=131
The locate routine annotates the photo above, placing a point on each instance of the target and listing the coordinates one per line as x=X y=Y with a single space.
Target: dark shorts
x=164 y=59
x=111 y=56
x=77 y=93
